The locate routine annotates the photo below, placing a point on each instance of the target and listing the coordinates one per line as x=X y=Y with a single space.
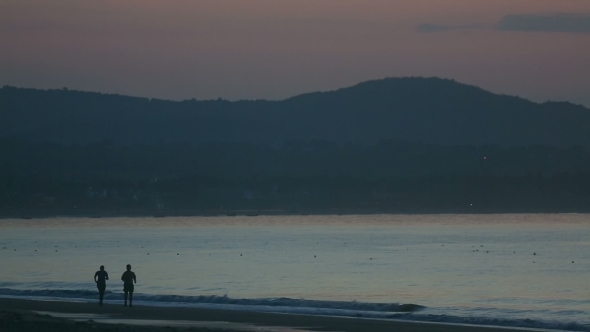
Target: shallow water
x=475 y=268
x=224 y=326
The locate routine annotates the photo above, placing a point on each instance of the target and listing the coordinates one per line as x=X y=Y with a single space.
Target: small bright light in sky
x=250 y=49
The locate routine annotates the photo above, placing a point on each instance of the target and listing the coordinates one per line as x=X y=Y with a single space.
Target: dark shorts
x=128 y=288
x=101 y=287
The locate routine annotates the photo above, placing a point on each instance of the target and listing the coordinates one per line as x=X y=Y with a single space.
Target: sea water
x=519 y=270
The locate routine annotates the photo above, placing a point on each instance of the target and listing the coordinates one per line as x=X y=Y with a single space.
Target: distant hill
x=429 y=110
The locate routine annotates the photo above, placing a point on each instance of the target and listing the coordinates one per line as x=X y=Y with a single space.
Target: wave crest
x=213 y=299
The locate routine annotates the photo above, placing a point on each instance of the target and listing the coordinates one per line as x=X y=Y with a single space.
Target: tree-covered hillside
x=427 y=110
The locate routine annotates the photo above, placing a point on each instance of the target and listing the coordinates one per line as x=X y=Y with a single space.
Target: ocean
x=515 y=270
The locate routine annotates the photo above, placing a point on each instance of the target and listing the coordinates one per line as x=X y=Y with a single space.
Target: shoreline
x=256 y=213
x=203 y=319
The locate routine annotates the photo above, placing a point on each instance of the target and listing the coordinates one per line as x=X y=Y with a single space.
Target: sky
x=274 y=49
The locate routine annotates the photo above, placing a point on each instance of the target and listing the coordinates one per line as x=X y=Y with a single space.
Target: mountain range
x=426 y=110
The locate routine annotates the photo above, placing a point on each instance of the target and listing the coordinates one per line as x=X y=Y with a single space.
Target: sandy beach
x=27 y=315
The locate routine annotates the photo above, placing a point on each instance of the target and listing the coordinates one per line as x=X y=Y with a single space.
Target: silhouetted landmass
x=392 y=146
x=296 y=177
x=428 y=110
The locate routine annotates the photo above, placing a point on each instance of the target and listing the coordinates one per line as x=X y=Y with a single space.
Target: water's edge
x=387 y=311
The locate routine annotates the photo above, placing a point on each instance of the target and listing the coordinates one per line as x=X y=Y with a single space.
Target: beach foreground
x=22 y=315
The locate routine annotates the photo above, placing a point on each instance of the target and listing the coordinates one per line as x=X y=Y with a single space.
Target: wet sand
x=23 y=315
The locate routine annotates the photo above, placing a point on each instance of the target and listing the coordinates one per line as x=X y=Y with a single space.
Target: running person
x=129 y=279
x=100 y=278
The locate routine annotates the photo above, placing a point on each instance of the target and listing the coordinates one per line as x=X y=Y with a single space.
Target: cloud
x=572 y=23
x=557 y=22
x=430 y=28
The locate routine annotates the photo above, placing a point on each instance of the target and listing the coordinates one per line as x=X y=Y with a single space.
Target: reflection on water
x=226 y=326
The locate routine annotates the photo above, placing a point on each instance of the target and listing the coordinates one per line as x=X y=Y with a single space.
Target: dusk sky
x=273 y=49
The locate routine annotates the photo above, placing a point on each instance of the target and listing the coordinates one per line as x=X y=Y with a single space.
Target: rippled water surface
x=496 y=266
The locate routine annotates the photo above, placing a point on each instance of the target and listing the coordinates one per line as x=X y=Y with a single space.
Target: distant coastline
x=98 y=214
x=396 y=145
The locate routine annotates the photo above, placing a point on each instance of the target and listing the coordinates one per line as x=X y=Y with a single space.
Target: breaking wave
x=218 y=300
